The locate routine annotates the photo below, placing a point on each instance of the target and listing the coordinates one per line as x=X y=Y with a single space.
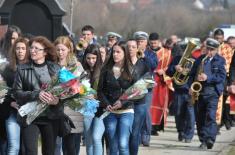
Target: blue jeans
x=88 y=133
x=140 y=110
x=184 y=115
x=93 y=130
x=118 y=128
x=13 y=135
x=147 y=125
x=98 y=131
x=58 y=146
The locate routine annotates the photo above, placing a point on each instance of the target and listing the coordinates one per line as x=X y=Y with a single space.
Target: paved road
x=166 y=143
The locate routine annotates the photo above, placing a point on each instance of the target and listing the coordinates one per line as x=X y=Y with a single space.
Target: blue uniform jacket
x=217 y=78
x=151 y=59
x=171 y=71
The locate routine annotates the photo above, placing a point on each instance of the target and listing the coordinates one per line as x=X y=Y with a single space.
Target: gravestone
x=38 y=17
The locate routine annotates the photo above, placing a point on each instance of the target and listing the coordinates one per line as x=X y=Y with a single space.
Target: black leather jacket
x=5 y=109
x=110 y=89
x=139 y=69
x=27 y=87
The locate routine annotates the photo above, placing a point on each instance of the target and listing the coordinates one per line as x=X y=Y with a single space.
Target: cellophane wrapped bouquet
x=3 y=89
x=75 y=92
x=137 y=91
x=3 y=86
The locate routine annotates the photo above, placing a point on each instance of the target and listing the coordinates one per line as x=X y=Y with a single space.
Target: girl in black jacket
x=114 y=80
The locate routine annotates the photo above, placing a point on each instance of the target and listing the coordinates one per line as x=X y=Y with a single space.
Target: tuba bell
x=186 y=62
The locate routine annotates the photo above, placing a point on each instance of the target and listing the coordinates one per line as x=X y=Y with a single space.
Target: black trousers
x=226 y=117
x=71 y=144
x=30 y=135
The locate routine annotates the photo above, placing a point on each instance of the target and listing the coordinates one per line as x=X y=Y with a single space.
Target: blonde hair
x=69 y=44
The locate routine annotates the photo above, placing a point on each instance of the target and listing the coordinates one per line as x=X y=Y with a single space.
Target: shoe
x=209 y=144
x=203 y=146
x=145 y=140
x=146 y=144
x=188 y=140
x=154 y=133
x=180 y=137
x=227 y=125
x=232 y=124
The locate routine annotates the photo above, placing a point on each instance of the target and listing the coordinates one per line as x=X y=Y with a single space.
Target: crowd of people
x=113 y=66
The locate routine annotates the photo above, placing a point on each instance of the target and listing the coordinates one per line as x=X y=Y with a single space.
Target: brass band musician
x=212 y=80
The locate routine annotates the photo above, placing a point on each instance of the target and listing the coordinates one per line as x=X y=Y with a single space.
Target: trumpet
x=140 y=53
x=81 y=45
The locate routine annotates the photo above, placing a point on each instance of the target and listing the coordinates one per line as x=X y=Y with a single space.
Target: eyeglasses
x=35 y=49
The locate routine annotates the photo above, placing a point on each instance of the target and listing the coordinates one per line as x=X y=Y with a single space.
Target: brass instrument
x=140 y=53
x=80 y=45
x=196 y=86
x=186 y=62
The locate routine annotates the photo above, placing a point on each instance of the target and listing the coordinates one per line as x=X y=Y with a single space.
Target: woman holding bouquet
x=18 y=55
x=28 y=81
x=140 y=67
x=94 y=127
x=13 y=32
x=66 y=58
x=115 y=78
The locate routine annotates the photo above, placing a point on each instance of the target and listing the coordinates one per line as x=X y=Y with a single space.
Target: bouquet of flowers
x=3 y=86
x=3 y=89
x=73 y=91
x=137 y=91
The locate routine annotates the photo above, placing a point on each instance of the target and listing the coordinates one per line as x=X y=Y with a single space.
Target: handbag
x=65 y=126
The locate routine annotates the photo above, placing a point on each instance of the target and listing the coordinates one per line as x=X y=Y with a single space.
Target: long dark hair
x=6 y=42
x=106 y=52
x=12 y=55
x=95 y=71
x=126 y=69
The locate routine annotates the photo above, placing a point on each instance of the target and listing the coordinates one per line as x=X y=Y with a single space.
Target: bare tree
x=164 y=18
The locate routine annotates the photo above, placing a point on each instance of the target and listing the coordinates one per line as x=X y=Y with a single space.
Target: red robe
x=196 y=54
x=161 y=91
x=227 y=53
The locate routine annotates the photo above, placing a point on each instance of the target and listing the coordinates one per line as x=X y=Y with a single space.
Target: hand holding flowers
x=137 y=91
x=66 y=88
x=48 y=98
